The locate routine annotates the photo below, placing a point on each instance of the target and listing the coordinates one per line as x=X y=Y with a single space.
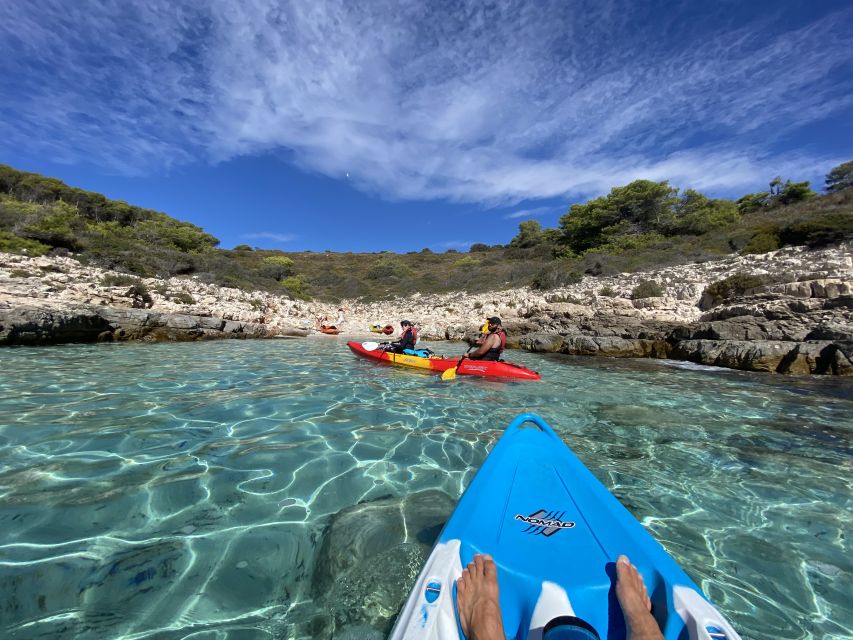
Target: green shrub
x=832 y=228
x=182 y=297
x=647 y=289
x=243 y=247
x=387 y=267
x=733 y=286
x=297 y=286
x=622 y=243
x=21 y=273
x=478 y=246
x=764 y=241
x=57 y=225
x=119 y=280
x=467 y=261
x=555 y=275
x=277 y=267
x=607 y=291
x=752 y=202
x=141 y=298
x=10 y=243
x=183 y=236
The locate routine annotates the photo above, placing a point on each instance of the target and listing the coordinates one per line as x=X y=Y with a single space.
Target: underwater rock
x=371 y=555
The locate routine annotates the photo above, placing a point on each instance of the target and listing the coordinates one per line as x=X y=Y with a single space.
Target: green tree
x=529 y=234
x=642 y=206
x=57 y=225
x=752 y=202
x=776 y=186
x=277 y=267
x=297 y=286
x=794 y=192
x=840 y=177
x=696 y=214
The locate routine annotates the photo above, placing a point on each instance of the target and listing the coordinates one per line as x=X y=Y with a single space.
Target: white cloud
x=529 y=213
x=269 y=235
x=463 y=101
x=455 y=244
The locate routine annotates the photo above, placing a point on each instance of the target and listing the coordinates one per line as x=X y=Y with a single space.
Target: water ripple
x=181 y=491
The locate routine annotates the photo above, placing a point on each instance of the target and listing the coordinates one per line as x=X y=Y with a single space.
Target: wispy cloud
x=529 y=213
x=455 y=244
x=269 y=235
x=464 y=101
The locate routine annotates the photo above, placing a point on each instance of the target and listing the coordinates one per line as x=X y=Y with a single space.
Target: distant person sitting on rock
x=492 y=345
x=478 y=603
x=407 y=340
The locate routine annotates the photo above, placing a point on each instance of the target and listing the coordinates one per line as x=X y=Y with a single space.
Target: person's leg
x=478 y=602
x=634 y=600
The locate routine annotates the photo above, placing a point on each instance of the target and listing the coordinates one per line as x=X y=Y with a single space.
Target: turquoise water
x=186 y=491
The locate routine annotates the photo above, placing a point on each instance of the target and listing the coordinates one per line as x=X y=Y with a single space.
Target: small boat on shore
x=439 y=364
x=555 y=533
x=378 y=328
x=332 y=330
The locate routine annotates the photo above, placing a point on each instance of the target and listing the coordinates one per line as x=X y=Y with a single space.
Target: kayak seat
x=420 y=353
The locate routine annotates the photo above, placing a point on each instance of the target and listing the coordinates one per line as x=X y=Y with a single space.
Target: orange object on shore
x=331 y=330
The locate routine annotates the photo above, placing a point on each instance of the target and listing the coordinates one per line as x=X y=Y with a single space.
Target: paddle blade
x=449 y=374
x=370 y=346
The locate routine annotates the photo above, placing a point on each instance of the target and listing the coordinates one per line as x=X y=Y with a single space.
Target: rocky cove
x=799 y=320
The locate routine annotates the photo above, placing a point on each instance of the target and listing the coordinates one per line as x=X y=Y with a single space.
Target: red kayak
x=332 y=331
x=468 y=367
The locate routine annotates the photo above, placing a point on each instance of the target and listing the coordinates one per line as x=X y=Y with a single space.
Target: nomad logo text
x=544 y=523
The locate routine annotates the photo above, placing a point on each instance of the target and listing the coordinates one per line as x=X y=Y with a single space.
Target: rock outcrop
x=34 y=326
x=798 y=321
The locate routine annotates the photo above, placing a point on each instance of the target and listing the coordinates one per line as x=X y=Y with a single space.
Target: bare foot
x=477 y=600
x=634 y=600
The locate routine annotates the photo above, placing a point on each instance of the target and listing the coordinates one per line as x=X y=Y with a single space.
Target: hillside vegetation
x=635 y=227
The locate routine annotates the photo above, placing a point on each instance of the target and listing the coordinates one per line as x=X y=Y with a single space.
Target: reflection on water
x=255 y=489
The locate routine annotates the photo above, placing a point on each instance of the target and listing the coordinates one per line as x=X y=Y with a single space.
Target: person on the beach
x=492 y=344
x=407 y=340
x=339 y=323
x=478 y=602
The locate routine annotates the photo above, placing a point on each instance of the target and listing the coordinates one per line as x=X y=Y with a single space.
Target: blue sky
x=373 y=125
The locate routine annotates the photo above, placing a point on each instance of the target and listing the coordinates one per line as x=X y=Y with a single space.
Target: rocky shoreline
x=799 y=322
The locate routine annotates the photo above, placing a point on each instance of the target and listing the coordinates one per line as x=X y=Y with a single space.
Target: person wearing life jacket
x=494 y=342
x=407 y=340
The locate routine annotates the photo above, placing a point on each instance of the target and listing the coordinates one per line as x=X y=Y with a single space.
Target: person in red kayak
x=407 y=340
x=492 y=345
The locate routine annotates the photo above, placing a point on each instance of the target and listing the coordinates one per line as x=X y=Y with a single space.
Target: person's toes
x=461 y=584
x=479 y=565
x=490 y=570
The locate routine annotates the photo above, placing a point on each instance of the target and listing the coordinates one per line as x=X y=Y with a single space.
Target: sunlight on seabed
x=183 y=491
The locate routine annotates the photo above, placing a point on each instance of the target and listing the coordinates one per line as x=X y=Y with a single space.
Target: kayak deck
x=555 y=533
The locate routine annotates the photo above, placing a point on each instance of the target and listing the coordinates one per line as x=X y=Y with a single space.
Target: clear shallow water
x=182 y=491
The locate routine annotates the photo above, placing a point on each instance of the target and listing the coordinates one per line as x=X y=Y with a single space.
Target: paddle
x=450 y=374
